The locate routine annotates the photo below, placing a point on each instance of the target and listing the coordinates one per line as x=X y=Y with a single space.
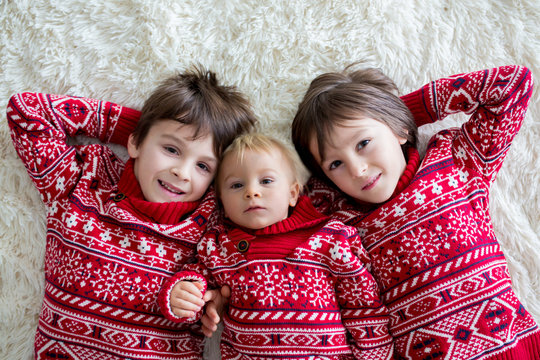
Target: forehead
x=252 y=161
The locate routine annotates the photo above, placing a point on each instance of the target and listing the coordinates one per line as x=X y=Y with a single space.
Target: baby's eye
x=236 y=185
x=362 y=144
x=334 y=164
x=266 y=181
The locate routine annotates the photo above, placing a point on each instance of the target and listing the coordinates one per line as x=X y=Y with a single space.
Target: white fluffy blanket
x=119 y=50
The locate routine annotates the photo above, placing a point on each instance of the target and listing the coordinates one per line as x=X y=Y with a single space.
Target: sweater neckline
x=131 y=198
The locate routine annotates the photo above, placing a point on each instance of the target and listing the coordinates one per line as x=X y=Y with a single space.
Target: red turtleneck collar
x=263 y=243
x=130 y=197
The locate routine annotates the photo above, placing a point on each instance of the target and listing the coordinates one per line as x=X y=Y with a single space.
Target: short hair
x=261 y=143
x=195 y=97
x=335 y=97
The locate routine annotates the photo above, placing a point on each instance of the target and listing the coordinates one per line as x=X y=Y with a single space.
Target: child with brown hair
x=299 y=283
x=116 y=231
x=424 y=221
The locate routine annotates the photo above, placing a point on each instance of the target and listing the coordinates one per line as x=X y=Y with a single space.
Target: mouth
x=172 y=189
x=253 y=208
x=372 y=181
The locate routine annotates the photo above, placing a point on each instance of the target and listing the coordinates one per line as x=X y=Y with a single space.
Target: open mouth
x=170 y=188
x=372 y=182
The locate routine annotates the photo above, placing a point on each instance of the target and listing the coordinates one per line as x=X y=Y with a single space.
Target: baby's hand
x=187 y=298
x=216 y=301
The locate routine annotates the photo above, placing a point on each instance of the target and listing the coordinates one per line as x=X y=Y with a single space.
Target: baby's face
x=363 y=158
x=172 y=166
x=258 y=191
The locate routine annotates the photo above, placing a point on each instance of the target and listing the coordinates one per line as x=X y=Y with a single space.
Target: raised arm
x=40 y=125
x=496 y=99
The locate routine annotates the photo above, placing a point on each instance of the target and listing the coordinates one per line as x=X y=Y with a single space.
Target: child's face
x=170 y=166
x=258 y=191
x=363 y=158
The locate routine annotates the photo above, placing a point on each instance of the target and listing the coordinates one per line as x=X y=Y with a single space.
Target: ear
x=295 y=193
x=401 y=140
x=132 y=149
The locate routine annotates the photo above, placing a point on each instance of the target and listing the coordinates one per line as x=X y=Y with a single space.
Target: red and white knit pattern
x=434 y=253
x=318 y=301
x=104 y=264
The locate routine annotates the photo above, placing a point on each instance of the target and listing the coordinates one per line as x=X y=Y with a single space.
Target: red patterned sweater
x=433 y=250
x=315 y=299
x=108 y=250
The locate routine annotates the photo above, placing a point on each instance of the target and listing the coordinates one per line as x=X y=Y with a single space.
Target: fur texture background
x=119 y=51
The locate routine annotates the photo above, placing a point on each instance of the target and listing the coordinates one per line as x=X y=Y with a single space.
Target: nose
x=181 y=172
x=252 y=192
x=357 y=168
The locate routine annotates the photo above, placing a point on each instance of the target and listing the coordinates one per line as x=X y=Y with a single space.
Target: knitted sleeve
x=362 y=311
x=40 y=125
x=497 y=100
x=164 y=297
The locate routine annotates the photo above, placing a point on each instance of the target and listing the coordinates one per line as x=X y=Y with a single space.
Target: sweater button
x=119 y=197
x=242 y=246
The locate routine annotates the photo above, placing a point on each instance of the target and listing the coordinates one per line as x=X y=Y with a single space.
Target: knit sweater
x=108 y=250
x=316 y=300
x=434 y=253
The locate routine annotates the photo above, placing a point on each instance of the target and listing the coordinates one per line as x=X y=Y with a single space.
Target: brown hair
x=196 y=98
x=335 y=97
x=262 y=143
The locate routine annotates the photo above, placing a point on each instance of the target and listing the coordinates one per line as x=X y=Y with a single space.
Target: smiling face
x=170 y=165
x=257 y=191
x=363 y=158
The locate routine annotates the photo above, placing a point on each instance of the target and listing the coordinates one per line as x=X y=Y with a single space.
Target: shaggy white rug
x=119 y=50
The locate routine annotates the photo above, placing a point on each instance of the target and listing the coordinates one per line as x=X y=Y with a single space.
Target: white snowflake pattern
x=336 y=252
x=453 y=182
x=105 y=236
x=178 y=255
x=379 y=223
x=73 y=168
x=125 y=243
x=419 y=198
x=463 y=175
x=398 y=210
x=53 y=209
x=60 y=186
x=460 y=153
x=144 y=247
x=161 y=250
x=71 y=221
x=89 y=226
x=210 y=247
x=315 y=243
x=269 y=285
x=315 y=288
x=437 y=189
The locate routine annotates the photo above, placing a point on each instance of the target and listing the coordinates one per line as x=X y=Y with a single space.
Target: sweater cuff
x=124 y=127
x=416 y=102
x=164 y=297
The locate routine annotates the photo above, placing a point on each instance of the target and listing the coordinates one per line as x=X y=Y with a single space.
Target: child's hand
x=187 y=298
x=216 y=302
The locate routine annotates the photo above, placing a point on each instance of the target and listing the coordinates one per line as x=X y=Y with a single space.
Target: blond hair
x=262 y=143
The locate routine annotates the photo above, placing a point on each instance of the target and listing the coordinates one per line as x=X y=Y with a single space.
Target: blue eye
x=334 y=164
x=266 y=181
x=362 y=144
